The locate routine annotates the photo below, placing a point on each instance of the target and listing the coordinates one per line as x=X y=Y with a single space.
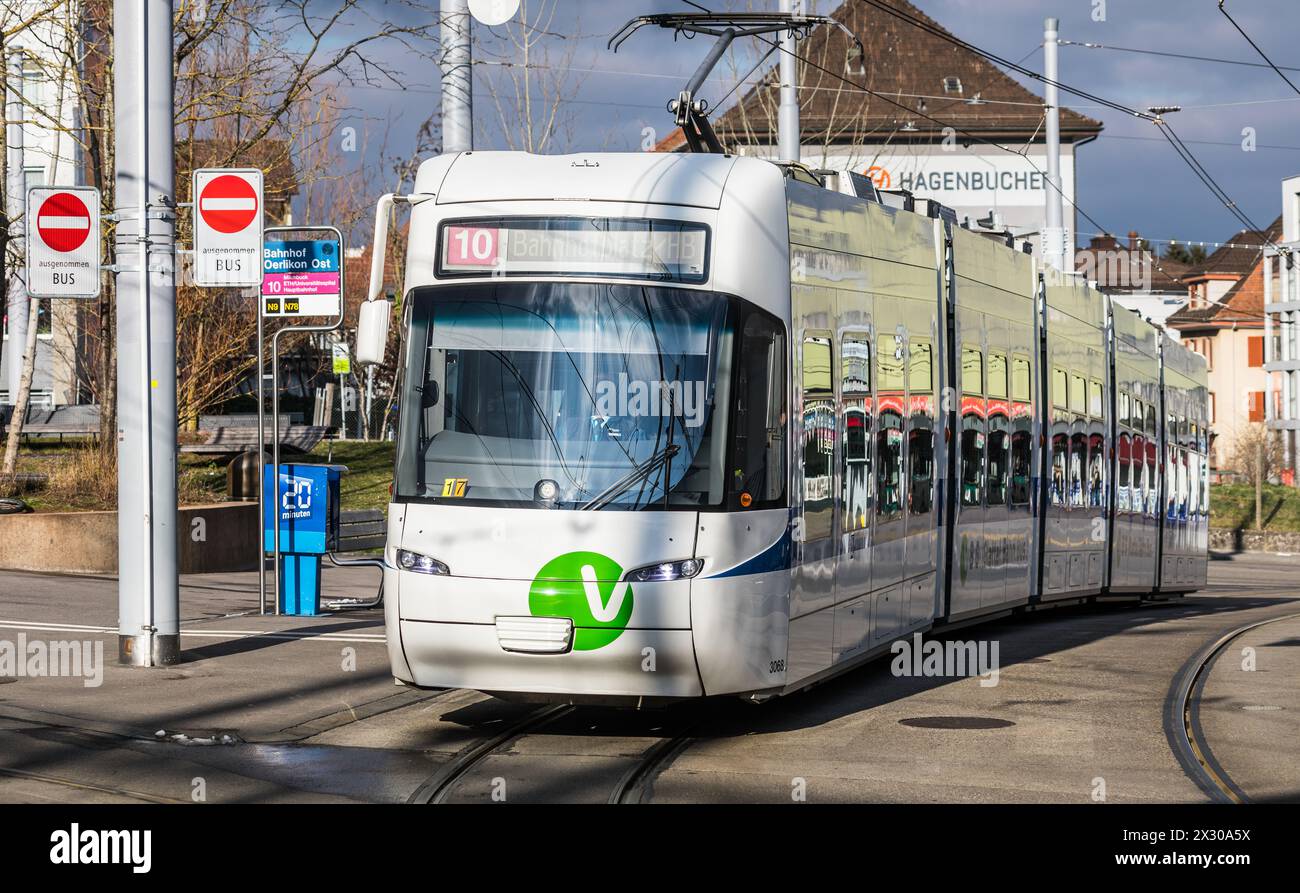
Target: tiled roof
x=1243 y=303
x=912 y=67
x=1121 y=269
x=1239 y=254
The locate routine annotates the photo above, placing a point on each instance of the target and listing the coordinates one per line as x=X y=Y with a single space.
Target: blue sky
x=1128 y=179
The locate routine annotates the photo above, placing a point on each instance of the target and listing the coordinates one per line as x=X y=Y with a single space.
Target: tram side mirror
x=372 y=332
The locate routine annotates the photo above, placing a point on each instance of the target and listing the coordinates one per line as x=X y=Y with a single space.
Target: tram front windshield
x=594 y=396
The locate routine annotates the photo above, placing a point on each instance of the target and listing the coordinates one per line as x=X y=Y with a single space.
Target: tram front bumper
x=650 y=663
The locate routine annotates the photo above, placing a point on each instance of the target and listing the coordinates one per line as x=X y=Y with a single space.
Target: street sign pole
x=148 y=586
x=261 y=460
x=275 y=393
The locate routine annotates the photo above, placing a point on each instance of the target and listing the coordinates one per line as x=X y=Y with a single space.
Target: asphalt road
x=292 y=710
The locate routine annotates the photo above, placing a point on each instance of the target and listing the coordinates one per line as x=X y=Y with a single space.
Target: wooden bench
x=70 y=421
x=239 y=438
x=361 y=531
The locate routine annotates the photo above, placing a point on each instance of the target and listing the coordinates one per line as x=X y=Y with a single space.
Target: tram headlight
x=666 y=571
x=420 y=564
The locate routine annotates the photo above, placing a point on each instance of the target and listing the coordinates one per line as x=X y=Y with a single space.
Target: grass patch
x=370 y=471
x=1233 y=506
x=79 y=481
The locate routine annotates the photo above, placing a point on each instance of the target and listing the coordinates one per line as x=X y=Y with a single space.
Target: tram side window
x=972 y=370
x=1153 y=480
x=999 y=438
x=889 y=465
x=1140 y=483
x=1020 y=383
x=997 y=375
x=818 y=437
x=1122 y=498
x=890 y=382
x=998 y=443
x=760 y=414
x=1078 y=461
x=1095 y=403
x=1096 y=476
x=1182 y=485
x=1171 y=476
x=920 y=470
x=920 y=435
x=1021 y=460
x=1078 y=394
x=1060 y=462
x=855 y=370
x=972 y=464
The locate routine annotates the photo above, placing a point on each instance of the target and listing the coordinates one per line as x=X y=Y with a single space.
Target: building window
x=1256 y=406
x=1214 y=416
x=1255 y=351
x=952 y=84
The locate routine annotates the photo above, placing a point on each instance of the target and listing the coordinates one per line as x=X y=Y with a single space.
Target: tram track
x=1182 y=718
x=633 y=784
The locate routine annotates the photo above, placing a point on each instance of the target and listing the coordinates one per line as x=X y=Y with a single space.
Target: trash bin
x=241 y=476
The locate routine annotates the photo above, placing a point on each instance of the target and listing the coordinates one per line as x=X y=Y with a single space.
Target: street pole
x=147 y=587
x=787 y=122
x=1054 y=247
x=457 y=79
x=16 y=195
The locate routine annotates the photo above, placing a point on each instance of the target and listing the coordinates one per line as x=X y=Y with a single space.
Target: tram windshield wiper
x=631 y=479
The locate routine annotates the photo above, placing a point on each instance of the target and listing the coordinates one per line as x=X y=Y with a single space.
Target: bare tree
x=533 y=81
x=1257 y=455
x=257 y=85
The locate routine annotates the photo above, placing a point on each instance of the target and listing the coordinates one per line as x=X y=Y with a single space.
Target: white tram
x=675 y=426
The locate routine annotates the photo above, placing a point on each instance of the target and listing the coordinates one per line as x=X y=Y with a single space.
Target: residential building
x=1223 y=321
x=1281 y=341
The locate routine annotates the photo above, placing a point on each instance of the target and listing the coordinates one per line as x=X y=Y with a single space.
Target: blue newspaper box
x=307 y=511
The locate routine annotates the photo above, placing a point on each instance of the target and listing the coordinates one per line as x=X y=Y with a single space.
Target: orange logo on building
x=879 y=176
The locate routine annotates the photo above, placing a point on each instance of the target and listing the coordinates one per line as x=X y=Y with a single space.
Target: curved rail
x=1182 y=719
x=439 y=786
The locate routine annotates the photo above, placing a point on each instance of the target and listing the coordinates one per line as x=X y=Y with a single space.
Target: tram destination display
x=671 y=250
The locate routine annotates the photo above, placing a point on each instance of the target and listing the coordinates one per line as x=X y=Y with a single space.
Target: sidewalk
x=258 y=678
x=1249 y=716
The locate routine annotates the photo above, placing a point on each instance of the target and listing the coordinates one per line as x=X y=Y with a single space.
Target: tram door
x=888 y=538
x=971 y=445
x=853 y=600
x=816 y=542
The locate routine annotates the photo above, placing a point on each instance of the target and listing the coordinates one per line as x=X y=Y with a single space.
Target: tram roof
x=635 y=177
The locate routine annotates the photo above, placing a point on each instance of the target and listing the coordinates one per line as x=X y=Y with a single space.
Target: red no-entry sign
x=63 y=249
x=63 y=221
x=228 y=204
x=227 y=227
